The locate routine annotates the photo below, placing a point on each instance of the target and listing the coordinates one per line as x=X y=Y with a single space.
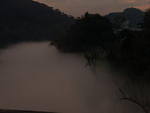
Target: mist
x=35 y=76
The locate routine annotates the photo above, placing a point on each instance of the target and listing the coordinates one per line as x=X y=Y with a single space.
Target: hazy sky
x=78 y=7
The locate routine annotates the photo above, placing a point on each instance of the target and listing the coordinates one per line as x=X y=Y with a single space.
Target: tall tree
x=89 y=31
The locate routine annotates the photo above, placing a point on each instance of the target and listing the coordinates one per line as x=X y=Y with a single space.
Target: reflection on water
x=35 y=76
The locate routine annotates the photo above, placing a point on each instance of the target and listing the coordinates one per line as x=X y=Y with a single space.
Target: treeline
x=94 y=36
x=27 y=20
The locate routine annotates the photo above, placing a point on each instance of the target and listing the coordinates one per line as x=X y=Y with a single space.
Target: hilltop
x=130 y=18
x=27 y=20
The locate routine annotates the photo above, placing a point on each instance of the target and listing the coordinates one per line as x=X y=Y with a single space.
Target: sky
x=79 y=7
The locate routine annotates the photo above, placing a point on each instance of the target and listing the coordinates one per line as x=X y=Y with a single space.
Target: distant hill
x=129 y=18
x=21 y=111
x=27 y=20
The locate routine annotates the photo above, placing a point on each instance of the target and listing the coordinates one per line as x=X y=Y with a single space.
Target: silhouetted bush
x=88 y=32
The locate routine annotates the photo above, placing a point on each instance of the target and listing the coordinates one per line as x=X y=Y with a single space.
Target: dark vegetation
x=98 y=36
x=91 y=31
x=26 y=20
x=122 y=38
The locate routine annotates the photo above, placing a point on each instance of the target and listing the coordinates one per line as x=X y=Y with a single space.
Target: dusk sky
x=78 y=7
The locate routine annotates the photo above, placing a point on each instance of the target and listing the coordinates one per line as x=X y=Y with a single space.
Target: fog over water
x=35 y=76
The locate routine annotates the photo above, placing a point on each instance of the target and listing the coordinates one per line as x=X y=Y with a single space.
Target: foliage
x=89 y=31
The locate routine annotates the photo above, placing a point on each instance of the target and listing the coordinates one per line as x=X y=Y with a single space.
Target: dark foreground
x=21 y=111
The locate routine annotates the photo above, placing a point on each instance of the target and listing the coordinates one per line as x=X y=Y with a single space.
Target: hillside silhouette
x=27 y=20
x=130 y=18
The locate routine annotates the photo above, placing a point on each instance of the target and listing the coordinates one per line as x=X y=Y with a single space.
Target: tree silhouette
x=89 y=31
x=137 y=93
x=90 y=34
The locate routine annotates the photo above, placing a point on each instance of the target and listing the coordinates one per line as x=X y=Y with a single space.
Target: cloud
x=135 y=2
x=144 y=7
